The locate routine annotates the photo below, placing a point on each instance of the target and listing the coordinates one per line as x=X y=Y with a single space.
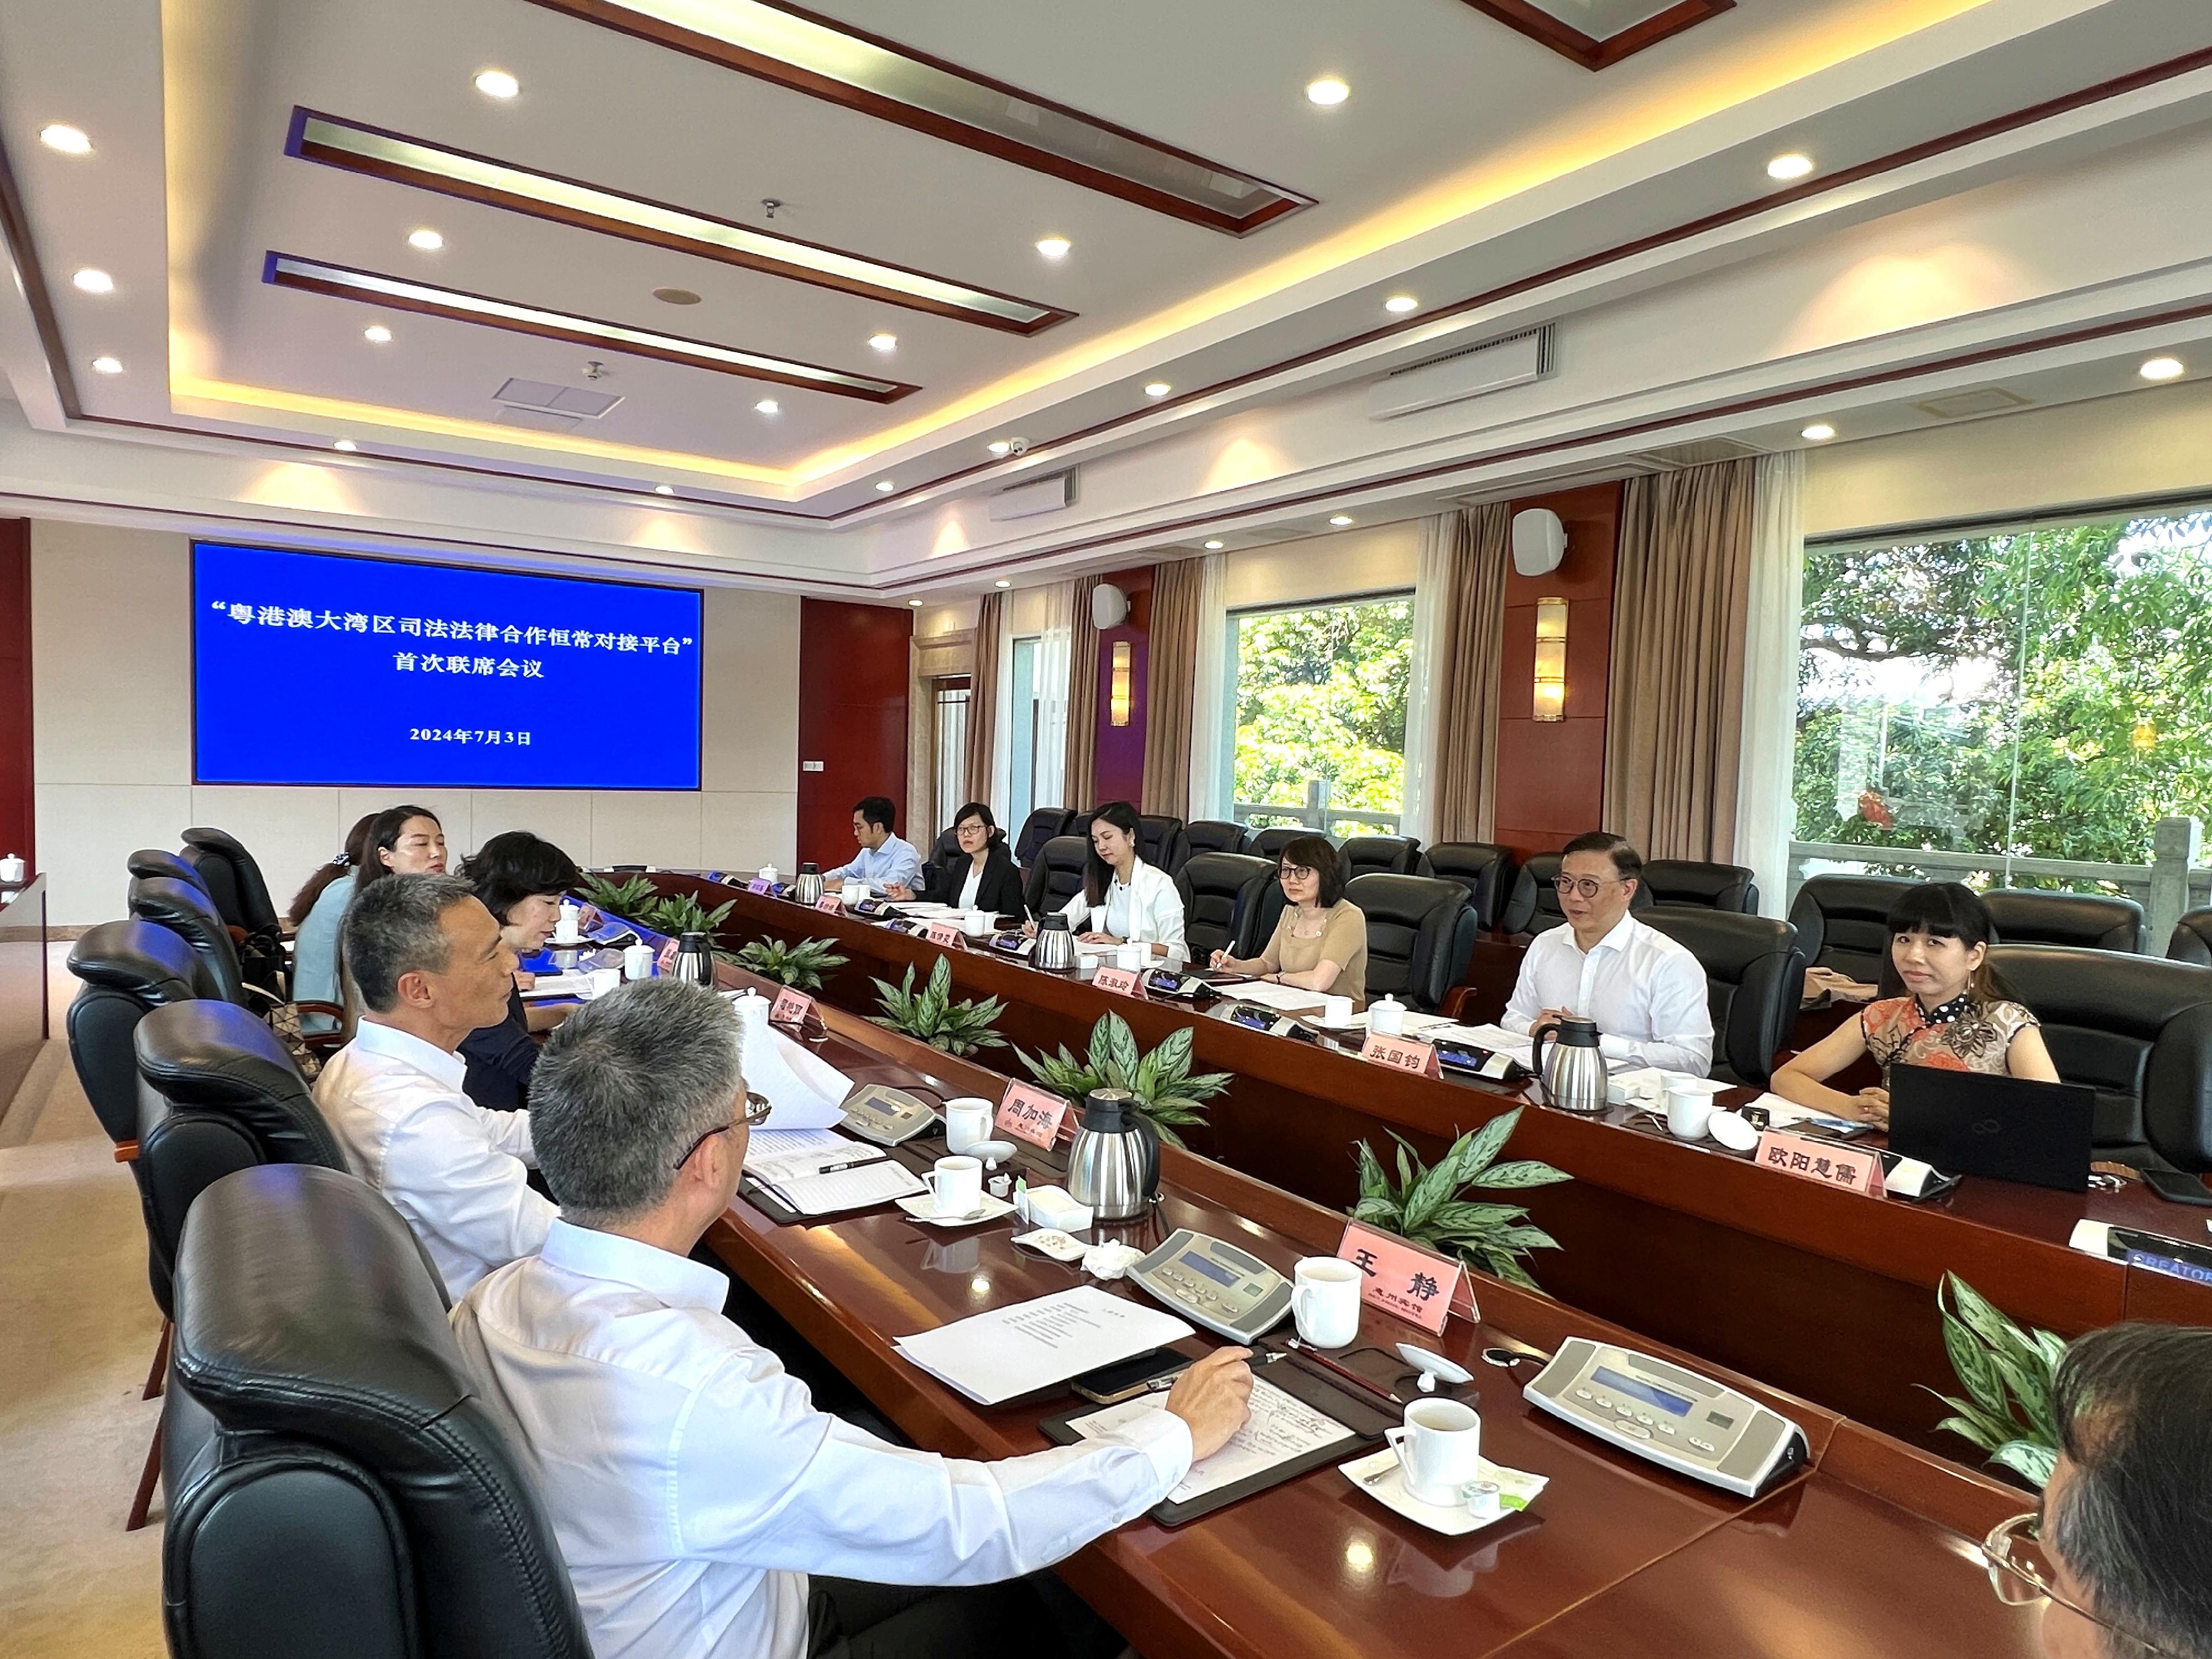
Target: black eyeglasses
x=1587 y=886
x=757 y=1109
x=1295 y=873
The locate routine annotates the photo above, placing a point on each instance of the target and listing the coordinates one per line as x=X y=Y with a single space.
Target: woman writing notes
x=522 y=880
x=1125 y=901
x=1955 y=1015
x=1320 y=941
x=987 y=878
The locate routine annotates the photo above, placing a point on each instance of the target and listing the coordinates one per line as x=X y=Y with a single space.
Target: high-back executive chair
x=1219 y=890
x=1485 y=869
x=1420 y=936
x=1754 y=975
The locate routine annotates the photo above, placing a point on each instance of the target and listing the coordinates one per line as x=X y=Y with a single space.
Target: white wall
x=112 y=735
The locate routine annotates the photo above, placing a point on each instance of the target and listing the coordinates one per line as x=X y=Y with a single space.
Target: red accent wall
x=1120 y=769
x=18 y=815
x=852 y=675
x=1551 y=773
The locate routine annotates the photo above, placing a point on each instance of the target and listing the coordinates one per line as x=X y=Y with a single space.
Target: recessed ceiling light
x=347 y=445
x=664 y=489
x=1327 y=90
x=1215 y=547
x=107 y=365
x=1157 y=389
x=1339 y=520
x=1002 y=584
x=1000 y=446
x=1820 y=432
x=377 y=334
x=917 y=604
x=676 y=296
x=2163 y=368
x=66 y=139
x=497 y=84
x=884 y=486
x=1792 y=166
x=1054 y=247
x=884 y=342
x=767 y=405
x=429 y=240
x=93 y=282
x=1399 y=304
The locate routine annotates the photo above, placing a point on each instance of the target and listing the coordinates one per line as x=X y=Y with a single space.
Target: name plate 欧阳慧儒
x=1031 y=1115
x=1823 y=1161
x=1401 y=1054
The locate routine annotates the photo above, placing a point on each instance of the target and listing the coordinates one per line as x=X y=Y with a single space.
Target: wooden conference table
x=1829 y=1294
x=1867 y=1551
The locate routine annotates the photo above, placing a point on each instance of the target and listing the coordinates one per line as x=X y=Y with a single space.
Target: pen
x=1315 y=1357
x=850 y=1163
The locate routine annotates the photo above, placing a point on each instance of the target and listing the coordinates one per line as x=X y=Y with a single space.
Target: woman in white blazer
x=1142 y=905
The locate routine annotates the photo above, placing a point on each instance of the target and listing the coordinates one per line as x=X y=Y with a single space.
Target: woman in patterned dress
x=1954 y=1014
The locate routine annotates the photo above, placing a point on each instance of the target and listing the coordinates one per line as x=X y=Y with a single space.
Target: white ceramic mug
x=1439 y=1450
x=13 y=870
x=853 y=892
x=967 y=1122
x=956 y=1186
x=1336 y=1010
x=1132 y=956
x=1690 y=1106
x=1325 y=1301
x=768 y=874
x=1097 y=918
x=1387 y=1017
x=978 y=924
x=568 y=926
x=637 y=961
x=600 y=982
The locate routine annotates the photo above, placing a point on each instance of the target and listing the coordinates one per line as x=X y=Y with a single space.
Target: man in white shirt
x=692 y=1484
x=1646 y=992
x=884 y=862
x=430 y=966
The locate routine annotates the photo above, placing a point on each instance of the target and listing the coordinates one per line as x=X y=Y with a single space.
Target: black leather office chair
x=1268 y=844
x=1161 y=841
x=187 y=912
x=1708 y=886
x=1379 y=855
x=2191 y=940
x=337 y=1484
x=1755 y=976
x=1057 y=875
x=153 y=863
x=1040 y=827
x=1484 y=869
x=1214 y=835
x=2089 y=921
x=1843 y=923
x=1217 y=889
x=1534 y=906
x=2137 y=1029
x=241 y=899
x=1420 y=936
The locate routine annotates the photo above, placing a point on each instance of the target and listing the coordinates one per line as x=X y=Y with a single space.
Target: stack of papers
x=558 y=985
x=1001 y=1355
x=1283 y=998
x=788 y=1164
x=1280 y=1430
x=1417 y=1025
x=805 y=1090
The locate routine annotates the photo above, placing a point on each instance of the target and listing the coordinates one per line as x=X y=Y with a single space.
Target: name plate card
x=665 y=958
x=1122 y=981
x=831 y=903
x=1823 y=1161
x=756 y=885
x=944 y=934
x=790 y=1007
x=1403 y=1280
x=1029 y=1114
x=1401 y=1054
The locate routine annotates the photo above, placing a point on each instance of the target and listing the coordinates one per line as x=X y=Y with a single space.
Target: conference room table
x=1828 y=1293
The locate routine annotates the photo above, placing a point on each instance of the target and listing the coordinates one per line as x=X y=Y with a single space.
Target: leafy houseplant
x=1426 y=1207
x=2009 y=1375
x=801 y=966
x=957 y=1028
x=680 y=913
x=627 y=899
x=1160 y=1080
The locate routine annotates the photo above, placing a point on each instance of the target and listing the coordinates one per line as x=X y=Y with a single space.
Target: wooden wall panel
x=1121 y=767
x=853 y=667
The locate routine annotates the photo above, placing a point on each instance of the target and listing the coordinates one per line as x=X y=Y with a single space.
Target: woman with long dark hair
x=522 y=880
x=403 y=841
x=1954 y=1014
x=987 y=878
x=1125 y=900
x=316 y=910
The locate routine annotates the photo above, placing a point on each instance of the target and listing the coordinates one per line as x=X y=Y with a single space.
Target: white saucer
x=1454 y=1521
x=922 y=1207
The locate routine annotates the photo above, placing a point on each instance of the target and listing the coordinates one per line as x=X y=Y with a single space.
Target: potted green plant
x=1161 y=1080
x=801 y=966
x=627 y=899
x=1427 y=1206
x=2009 y=1376
x=680 y=913
x=932 y=1016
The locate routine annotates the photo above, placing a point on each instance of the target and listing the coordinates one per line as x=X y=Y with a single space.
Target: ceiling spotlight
x=884 y=486
x=767 y=405
x=107 y=365
x=884 y=342
x=1327 y=91
x=917 y=604
x=1002 y=583
x=1157 y=389
x=1792 y=166
x=497 y=84
x=1215 y=547
x=347 y=445
x=93 y=282
x=664 y=489
x=1399 y=304
x=1054 y=247
x=1000 y=446
x=1820 y=432
x=1339 y=520
x=2163 y=368
x=66 y=139
x=377 y=334
x=429 y=240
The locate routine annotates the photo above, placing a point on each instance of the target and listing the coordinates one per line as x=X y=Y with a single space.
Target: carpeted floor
x=79 y=1327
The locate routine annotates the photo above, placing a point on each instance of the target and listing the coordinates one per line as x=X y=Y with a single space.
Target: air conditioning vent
x=1703 y=453
x=1026 y=499
x=1988 y=400
x=571 y=400
x=539 y=420
x=1514 y=361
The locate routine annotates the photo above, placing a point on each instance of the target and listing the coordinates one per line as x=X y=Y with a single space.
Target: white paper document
x=1283 y=998
x=1788 y=1114
x=791 y=1179
x=1417 y=1025
x=1010 y=1351
x=558 y=985
x=804 y=1091
x=786 y=1154
x=1280 y=1428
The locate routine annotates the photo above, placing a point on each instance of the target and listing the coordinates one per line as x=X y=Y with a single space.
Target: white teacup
x=1325 y=1301
x=598 y=981
x=1336 y=1010
x=768 y=875
x=1386 y=1018
x=1690 y=1106
x=637 y=961
x=1439 y=1450
x=853 y=892
x=1131 y=955
x=967 y=1122
x=569 y=925
x=956 y=1186
x=978 y=924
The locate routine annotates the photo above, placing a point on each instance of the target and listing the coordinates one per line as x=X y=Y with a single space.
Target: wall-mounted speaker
x=1109 y=606
x=1539 y=541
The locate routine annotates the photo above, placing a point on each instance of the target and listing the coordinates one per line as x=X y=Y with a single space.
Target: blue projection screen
x=316 y=668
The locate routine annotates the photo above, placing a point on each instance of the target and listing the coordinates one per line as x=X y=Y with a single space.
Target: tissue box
x=1052 y=1206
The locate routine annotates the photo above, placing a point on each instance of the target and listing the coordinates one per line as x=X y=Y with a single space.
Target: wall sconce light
x=1551 y=659
x=1117 y=704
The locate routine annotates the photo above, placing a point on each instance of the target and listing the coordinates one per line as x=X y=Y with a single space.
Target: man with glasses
x=2121 y=1552
x=1646 y=992
x=692 y=1483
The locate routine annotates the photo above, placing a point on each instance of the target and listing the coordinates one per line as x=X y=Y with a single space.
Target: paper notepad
x=1494 y=1039
x=1280 y=1431
x=1283 y=998
x=1001 y=1355
x=558 y=985
x=788 y=1167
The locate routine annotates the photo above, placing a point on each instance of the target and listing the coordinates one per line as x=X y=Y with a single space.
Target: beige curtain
x=1674 y=706
x=1172 y=685
x=1463 y=784
x=1079 y=778
x=983 y=700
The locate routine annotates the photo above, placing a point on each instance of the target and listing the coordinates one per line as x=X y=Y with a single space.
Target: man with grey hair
x=430 y=967
x=692 y=1483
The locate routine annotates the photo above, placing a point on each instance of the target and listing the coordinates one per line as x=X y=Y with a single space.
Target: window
x=2031 y=694
x=948 y=747
x=1320 y=715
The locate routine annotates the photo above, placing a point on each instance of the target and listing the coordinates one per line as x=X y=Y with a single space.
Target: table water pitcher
x=1115 y=1164
x=695 y=959
x=1055 y=945
x=1572 y=1067
x=809 y=890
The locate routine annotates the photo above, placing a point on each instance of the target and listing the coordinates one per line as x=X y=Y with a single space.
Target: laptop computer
x=2007 y=1127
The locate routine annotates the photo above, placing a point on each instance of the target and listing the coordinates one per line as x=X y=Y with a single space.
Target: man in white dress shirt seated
x=1646 y=992
x=430 y=967
x=885 y=863
x=692 y=1484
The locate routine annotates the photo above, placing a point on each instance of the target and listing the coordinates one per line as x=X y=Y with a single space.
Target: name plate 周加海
x=790 y=1007
x=1122 y=981
x=1823 y=1161
x=1402 y=1279
x=1401 y=1054
x=1031 y=1115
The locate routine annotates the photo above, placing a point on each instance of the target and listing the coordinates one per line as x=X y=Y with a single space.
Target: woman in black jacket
x=522 y=880
x=987 y=878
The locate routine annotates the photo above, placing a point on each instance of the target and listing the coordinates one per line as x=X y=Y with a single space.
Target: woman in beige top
x=1319 y=942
